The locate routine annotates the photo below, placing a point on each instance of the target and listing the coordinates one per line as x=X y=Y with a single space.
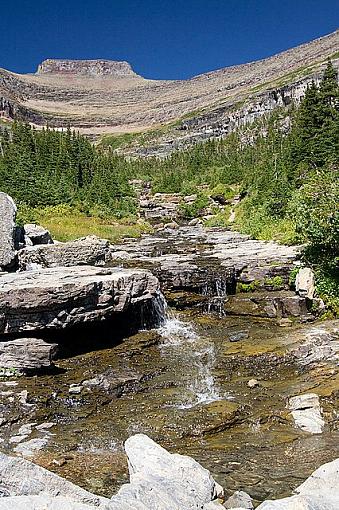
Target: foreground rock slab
x=160 y=480
x=58 y=298
x=7 y=231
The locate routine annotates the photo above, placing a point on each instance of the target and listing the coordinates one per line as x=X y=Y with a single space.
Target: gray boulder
x=89 y=250
x=37 y=234
x=306 y=412
x=7 y=231
x=27 y=353
x=160 y=480
x=58 y=298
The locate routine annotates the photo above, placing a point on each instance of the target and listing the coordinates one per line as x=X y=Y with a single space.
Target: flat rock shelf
x=58 y=298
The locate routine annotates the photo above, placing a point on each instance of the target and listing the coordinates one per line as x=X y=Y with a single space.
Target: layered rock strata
x=58 y=298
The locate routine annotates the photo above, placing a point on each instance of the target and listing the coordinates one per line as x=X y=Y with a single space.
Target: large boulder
x=89 y=250
x=58 y=298
x=36 y=234
x=27 y=354
x=160 y=480
x=7 y=231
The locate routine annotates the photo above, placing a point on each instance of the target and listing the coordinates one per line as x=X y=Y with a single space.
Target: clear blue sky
x=160 y=38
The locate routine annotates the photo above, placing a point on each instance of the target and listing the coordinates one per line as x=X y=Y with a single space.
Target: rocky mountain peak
x=86 y=67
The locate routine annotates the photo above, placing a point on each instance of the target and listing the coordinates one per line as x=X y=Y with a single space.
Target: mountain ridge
x=100 y=97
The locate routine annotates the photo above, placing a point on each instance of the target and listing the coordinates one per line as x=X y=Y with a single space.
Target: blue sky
x=171 y=39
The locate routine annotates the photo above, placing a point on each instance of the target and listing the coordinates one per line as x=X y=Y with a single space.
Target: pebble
x=252 y=383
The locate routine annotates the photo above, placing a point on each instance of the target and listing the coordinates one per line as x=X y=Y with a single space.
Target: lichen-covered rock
x=7 y=231
x=58 y=298
x=89 y=250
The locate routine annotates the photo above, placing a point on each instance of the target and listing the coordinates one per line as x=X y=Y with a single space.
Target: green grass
x=67 y=224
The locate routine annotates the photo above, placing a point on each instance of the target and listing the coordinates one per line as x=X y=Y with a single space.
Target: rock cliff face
x=100 y=96
x=86 y=67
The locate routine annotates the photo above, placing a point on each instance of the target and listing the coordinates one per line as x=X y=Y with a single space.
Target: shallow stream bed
x=185 y=385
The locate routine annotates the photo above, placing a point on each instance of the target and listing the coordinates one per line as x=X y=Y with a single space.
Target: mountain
x=107 y=97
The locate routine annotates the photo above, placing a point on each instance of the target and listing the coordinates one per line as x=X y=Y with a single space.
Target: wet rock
x=318 y=343
x=239 y=335
x=37 y=234
x=305 y=283
x=239 y=499
x=318 y=492
x=27 y=354
x=19 y=477
x=256 y=304
x=89 y=250
x=114 y=381
x=163 y=481
x=306 y=412
x=58 y=298
x=7 y=232
x=209 y=418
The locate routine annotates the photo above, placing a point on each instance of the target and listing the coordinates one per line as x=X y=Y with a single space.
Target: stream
x=185 y=384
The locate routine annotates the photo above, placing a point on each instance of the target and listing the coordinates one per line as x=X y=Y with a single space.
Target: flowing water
x=185 y=385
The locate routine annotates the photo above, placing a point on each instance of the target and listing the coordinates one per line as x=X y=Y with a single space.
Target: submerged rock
x=7 y=231
x=58 y=298
x=319 y=492
x=306 y=412
x=89 y=250
x=20 y=477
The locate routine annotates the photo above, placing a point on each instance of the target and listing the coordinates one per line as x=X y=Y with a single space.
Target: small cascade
x=153 y=313
x=181 y=340
x=216 y=292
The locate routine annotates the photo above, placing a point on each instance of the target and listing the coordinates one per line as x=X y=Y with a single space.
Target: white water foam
x=195 y=353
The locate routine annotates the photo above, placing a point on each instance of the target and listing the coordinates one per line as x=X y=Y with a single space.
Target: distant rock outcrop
x=86 y=67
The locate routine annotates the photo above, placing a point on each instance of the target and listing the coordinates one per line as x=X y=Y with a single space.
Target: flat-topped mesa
x=87 y=67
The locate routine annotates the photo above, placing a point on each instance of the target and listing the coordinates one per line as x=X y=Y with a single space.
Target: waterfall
x=153 y=312
x=182 y=341
x=216 y=291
